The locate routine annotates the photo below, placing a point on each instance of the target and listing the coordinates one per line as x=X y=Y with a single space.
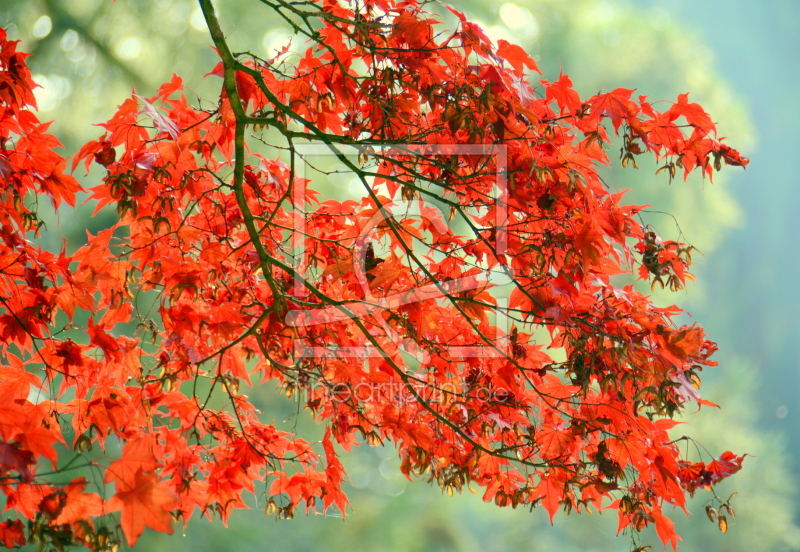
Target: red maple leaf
x=12 y=533
x=665 y=529
x=79 y=505
x=516 y=56
x=694 y=114
x=616 y=105
x=144 y=502
x=725 y=465
x=137 y=456
x=554 y=442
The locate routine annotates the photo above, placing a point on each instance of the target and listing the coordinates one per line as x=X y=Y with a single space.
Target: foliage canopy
x=466 y=307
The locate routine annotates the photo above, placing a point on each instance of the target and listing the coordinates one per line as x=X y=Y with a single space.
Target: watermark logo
x=369 y=309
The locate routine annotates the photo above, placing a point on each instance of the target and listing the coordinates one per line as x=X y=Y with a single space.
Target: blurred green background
x=738 y=58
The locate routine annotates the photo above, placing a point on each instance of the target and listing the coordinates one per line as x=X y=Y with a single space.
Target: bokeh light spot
x=69 y=40
x=42 y=27
x=129 y=48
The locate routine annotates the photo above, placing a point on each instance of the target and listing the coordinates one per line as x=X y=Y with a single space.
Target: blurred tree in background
x=87 y=56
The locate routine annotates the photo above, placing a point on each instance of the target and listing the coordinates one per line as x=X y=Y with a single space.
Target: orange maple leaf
x=665 y=529
x=79 y=505
x=12 y=533
x=516 y=56
x=616 y=105
x=554 y=443
x=143 y=502
x=137 y=457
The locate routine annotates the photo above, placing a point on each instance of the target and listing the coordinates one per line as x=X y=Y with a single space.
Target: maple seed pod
x=83 y=444
x=640 y=521
x=373 y=439
x=626 y=505
x=723 y=523
x=711 y=513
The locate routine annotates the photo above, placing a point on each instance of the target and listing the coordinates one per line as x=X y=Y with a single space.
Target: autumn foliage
x=489 y=335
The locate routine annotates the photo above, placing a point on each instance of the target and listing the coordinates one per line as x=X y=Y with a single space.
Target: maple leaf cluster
x=388 y=327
